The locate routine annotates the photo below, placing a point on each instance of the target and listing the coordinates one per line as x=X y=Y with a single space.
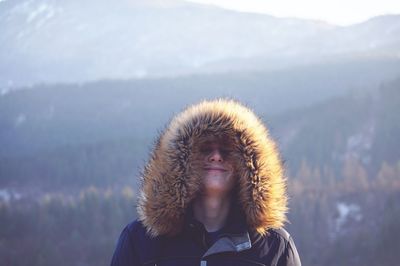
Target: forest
x=67 y=205
x=351 y=220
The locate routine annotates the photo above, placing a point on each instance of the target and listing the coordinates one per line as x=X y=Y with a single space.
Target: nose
x=215 y=156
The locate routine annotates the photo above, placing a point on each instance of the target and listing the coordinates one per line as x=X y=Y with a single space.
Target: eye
x=205 y=150
x=226 y=152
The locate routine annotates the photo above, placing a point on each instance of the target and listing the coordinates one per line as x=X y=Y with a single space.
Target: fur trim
x=169 y=183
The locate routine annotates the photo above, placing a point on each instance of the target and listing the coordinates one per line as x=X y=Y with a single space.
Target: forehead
x=216 y=140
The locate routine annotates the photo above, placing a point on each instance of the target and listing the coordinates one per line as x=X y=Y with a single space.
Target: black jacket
x=190 y=248
x=165 y=234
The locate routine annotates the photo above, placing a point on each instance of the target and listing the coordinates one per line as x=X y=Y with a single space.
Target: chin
x=217 y=187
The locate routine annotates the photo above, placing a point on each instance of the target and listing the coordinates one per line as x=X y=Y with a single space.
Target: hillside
x=358 y=126
x=49 y=116
x=92 y=136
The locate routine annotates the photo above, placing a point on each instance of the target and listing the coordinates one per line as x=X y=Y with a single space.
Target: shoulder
x=137 y=234
x=136 y=230
x=125 y=252
x=278 y=246
x=276 y=236
x=132 y=233
x=280 y=234
x=134 y=245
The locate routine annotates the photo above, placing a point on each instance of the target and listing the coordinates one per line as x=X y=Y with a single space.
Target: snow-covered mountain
x=76 y=41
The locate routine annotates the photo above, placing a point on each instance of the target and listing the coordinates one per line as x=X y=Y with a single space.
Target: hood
x=170 y=181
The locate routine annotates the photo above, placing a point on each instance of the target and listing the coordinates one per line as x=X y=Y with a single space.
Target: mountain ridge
x=45 y=41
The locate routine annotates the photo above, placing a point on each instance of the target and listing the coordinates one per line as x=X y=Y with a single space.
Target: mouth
x=215 y=169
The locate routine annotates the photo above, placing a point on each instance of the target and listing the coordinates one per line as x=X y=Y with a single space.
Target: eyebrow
x=222 y=143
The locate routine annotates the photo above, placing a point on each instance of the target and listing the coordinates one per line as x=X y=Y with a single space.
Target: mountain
x=50 y=116
x=48 y=41
x=99 y=133
x=362 y=127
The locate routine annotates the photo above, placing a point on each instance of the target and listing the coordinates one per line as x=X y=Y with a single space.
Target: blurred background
x=87 y=86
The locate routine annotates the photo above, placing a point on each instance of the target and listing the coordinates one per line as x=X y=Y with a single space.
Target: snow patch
x=41 y=15
x=359 y=145
x=38 y=12
x=7 y=195
x=347 y=212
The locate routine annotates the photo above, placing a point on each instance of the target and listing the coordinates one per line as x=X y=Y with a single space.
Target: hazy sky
x=341 y=12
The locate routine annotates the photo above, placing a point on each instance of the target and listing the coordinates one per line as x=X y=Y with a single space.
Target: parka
x=166 y=232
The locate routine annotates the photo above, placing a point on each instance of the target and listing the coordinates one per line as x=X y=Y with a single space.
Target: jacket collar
x=233 y=237
x=230 y=243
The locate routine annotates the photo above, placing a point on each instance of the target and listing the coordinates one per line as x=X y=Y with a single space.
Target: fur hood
x=170 y=183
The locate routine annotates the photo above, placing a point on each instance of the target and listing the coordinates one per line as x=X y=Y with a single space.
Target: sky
x=339 y=12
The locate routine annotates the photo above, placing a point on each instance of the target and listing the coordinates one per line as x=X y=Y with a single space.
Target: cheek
x=232 y=163
x=197 y=165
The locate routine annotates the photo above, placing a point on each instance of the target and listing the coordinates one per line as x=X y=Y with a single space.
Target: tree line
x=351 y=219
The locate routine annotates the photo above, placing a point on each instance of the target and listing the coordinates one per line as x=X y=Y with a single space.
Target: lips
x=213 y=168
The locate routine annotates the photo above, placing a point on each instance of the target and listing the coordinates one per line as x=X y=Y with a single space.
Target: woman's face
x=217 y=165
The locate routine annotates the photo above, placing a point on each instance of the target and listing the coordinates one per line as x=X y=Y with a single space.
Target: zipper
x=204 y=242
